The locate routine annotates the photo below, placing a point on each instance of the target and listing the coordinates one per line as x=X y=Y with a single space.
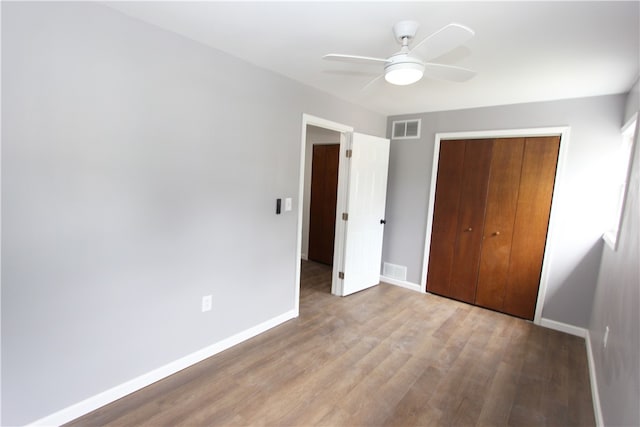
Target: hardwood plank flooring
x=386 y=356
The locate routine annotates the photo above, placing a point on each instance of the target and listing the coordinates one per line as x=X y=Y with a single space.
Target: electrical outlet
x=206 y=303
x=606 y=337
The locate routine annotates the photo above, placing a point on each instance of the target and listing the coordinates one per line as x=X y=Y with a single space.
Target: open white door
x=365 y=206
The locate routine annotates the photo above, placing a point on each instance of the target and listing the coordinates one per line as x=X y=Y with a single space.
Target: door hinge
x=341 y=275
x=349 y=153
x=345 y=216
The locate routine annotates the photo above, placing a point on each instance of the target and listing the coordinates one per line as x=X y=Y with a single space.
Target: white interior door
x=365 y=205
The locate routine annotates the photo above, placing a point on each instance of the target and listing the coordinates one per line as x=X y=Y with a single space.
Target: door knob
x=469 y=229
x=497 y=233
x=383 y=221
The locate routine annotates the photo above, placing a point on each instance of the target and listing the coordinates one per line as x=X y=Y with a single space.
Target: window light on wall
x=623 y=165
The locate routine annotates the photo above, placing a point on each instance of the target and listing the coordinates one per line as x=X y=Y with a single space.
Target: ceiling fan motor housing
x=405 y=29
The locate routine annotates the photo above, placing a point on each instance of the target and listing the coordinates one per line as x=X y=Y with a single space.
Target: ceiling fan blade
x=353 y=73
x=442 y=41
x=353 y=58
x=447 y=72
x=377 y=80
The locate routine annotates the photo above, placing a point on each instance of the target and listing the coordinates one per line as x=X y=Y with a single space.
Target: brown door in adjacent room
x=491 y=214
x=324 y=189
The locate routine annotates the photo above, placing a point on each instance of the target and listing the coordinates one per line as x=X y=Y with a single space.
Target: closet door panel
x=445 y=215
x=502 y=198
x=473 y=195
x=530 y=227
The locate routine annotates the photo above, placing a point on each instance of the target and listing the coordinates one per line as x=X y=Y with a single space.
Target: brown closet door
x=445 y=216
x=502 y=199
x=491 y=213
x=473 y=198
x=324 y=188
x=531 y=223
x=461 y=189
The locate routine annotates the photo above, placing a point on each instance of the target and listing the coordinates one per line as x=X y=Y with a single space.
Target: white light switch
x=287 y=204
x=206 y=303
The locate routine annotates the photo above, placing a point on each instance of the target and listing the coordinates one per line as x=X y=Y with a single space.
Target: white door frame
x=554 y=217
x=345 y=140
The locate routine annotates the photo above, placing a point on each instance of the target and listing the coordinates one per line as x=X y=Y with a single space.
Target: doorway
x=322 y=149
x=360 y=207
x=326 y=132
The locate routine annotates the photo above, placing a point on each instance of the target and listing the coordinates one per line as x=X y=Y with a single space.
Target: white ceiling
x=522 y=52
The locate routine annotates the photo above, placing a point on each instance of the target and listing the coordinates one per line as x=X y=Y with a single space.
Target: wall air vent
x=394 y=271
x=406 y=129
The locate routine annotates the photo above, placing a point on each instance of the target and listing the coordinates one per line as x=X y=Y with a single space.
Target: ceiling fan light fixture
x=402 y=74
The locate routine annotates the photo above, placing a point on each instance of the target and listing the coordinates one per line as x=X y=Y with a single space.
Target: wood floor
x=384 y=356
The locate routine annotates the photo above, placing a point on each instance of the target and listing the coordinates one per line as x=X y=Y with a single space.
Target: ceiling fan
x=410 y=64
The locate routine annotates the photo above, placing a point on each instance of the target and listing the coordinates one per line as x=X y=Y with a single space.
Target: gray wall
x=139 y=172
x=633 y=101
x=617 y=305
x=582 y=204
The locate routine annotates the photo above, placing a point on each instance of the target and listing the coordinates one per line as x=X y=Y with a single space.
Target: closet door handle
x=469 y=229
x=496 y=233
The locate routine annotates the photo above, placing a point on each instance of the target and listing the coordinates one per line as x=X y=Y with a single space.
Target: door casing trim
x=558 y=192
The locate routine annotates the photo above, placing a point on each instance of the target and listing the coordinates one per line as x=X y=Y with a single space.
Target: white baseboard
x=583 y=333
x=595 y=392
x=401 y=283
x=92 y=403
x=563 y=327
x=304 y=256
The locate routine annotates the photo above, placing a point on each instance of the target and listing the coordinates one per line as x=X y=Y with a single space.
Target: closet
x=491 y=213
